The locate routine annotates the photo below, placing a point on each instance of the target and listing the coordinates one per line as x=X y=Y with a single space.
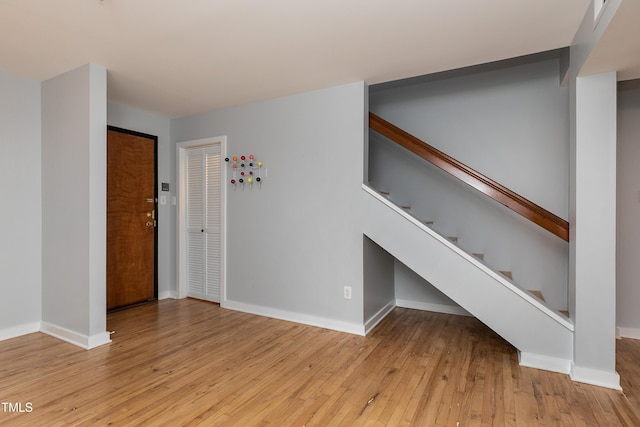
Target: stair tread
x=507 y=274
x=480 y=256
x=537 y=294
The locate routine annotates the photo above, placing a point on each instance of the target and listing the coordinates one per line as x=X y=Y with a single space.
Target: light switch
x=173 y=200
x=163 y=200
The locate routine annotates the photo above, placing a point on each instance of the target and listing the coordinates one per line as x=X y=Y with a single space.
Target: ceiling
x=619 y=47
x=177 y=58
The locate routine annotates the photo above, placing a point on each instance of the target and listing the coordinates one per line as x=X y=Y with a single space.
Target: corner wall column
x=592 y=294
x=74 y=123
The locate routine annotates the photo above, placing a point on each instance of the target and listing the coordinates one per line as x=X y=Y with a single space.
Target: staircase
x=542 y=335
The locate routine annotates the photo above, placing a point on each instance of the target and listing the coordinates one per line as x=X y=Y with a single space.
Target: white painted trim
x=632 y=333
x=540 y=361
x=559 y=318
x=305 y=319
x=80 y=340
x=595 y=377
x=599 y=6
x=97 y=340
x=437 y=308
x=181 y=269
x=167 y=295
x=378 y=317
x=19 y=330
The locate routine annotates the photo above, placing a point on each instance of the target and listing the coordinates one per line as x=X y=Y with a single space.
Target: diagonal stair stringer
x=543 y=337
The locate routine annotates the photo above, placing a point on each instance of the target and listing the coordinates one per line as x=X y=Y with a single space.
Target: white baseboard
x=167 y=295
x=595 y=377
x=437 y=308
x=19 y=330
x=377 y=318
x=538 y=361
x=80 y=340
x=632 y=333
x=305 y=319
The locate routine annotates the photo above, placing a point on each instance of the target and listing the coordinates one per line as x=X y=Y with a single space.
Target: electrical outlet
x=347 y=292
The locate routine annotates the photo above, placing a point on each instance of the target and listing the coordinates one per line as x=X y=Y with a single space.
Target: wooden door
x=131 y=218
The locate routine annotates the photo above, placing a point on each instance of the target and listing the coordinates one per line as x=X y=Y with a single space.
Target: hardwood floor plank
x=547 y=404
x=493 y=403
x=587 y=409
x=509 y=375
x=629 y=369
x=614 y=408
x=450 y=375
x=187 y=362
x=526 y=403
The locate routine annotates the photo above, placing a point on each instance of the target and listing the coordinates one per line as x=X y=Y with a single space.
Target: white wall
x=74 y=110
x=20 y=210
x=628 y=210
x=295 y=241
x=509 y=121
x=152 y=124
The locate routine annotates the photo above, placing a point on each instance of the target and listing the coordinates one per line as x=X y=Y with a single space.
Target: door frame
x=181 y=218
x=155 y=197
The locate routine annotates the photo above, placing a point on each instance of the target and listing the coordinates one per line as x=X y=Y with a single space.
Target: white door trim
x=181 y=270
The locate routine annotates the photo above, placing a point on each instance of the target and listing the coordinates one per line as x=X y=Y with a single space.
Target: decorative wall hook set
x=246 y=170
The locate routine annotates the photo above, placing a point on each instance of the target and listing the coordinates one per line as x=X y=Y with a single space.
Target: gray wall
x=295 y=241
x=378 y=279
x=413 y=292
x=74 y=114
x=21 y=208
x=152 y=124
x=509 y=121
x=592 y=208
x=594 y=226
x=628 y=209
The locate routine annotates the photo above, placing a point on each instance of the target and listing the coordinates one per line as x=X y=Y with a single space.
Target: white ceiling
x=619 y=47
x=179 y=57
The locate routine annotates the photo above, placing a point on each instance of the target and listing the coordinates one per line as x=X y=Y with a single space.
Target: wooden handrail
x=497 y=192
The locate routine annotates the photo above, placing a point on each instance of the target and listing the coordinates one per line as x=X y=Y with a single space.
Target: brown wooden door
x=131 y=218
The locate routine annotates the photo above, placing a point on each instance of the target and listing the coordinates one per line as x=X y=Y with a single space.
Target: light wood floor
x=189 y=362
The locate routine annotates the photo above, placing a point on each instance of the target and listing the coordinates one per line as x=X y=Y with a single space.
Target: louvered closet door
x=204 y=223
